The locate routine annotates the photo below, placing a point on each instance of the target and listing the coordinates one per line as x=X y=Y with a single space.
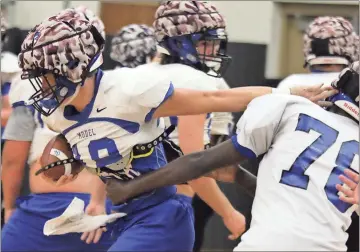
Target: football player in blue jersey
x=26 y=137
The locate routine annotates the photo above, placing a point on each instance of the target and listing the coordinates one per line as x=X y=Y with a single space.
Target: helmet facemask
x=49 y=95
x=206 y=51
x=348 y=97
x=53 y=89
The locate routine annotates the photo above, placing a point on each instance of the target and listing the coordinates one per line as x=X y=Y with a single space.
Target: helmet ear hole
x=320 y=47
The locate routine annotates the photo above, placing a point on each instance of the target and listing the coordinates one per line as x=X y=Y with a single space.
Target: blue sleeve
x=5 y=88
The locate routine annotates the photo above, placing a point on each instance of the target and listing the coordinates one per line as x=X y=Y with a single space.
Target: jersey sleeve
x=258 y=125
x=152 y=97
x=20 y=126
x=148 y=88
x=20 y=92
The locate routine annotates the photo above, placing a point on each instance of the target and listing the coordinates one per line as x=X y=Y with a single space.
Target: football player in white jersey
x=27 y=136
x=112 y=121
x=297 y=205
x=135 y=45
x=330 y=45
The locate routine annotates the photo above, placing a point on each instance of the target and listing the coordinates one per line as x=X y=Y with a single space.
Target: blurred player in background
x=9 y=70
x=330 y=45
x=27 y=136
x=296 y=206
x=135 y=45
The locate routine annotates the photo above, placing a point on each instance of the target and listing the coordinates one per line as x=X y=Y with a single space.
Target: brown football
x=57 y=159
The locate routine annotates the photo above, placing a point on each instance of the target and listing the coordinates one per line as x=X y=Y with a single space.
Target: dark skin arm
x=236 y=174
x=179 y=171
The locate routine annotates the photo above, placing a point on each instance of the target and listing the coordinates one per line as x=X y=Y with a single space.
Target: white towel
x=74 y=220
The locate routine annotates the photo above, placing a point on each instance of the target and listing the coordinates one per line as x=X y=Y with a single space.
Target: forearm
x=12 y=176
x=184 y=169
x=208 y=190
x=237 y=99
x=5 y=114
x=98 y=192
x=191 y=139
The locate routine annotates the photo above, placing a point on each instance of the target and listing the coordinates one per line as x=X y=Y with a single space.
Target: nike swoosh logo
x=99 y=110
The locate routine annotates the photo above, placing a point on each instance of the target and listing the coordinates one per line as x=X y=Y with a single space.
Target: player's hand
x=63 y=180
x=117 y=191
x=235 y=222
x=316 y=93
x=95 y=235
x=350 y=188
x=7 y=213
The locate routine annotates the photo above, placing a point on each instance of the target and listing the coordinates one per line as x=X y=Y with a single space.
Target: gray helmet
x=133 y=45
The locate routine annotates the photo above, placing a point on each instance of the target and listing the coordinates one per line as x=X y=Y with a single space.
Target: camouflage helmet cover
x=176 y=18
x=94 y=19
x=64 y=44
x=133 y=45
x=343 y=42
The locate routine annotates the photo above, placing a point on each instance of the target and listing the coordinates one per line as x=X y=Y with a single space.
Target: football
x=57 y=159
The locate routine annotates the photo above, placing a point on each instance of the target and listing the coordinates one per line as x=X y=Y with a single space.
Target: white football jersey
x=309 y=79
x=183 y=76
x=296 y=205
x=20 y=91
x=120 y=117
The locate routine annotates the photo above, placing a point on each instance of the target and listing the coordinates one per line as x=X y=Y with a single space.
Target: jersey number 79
x=296 y=177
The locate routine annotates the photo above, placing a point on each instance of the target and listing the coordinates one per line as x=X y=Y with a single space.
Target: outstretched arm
x=193 y=102
x=178 y=171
